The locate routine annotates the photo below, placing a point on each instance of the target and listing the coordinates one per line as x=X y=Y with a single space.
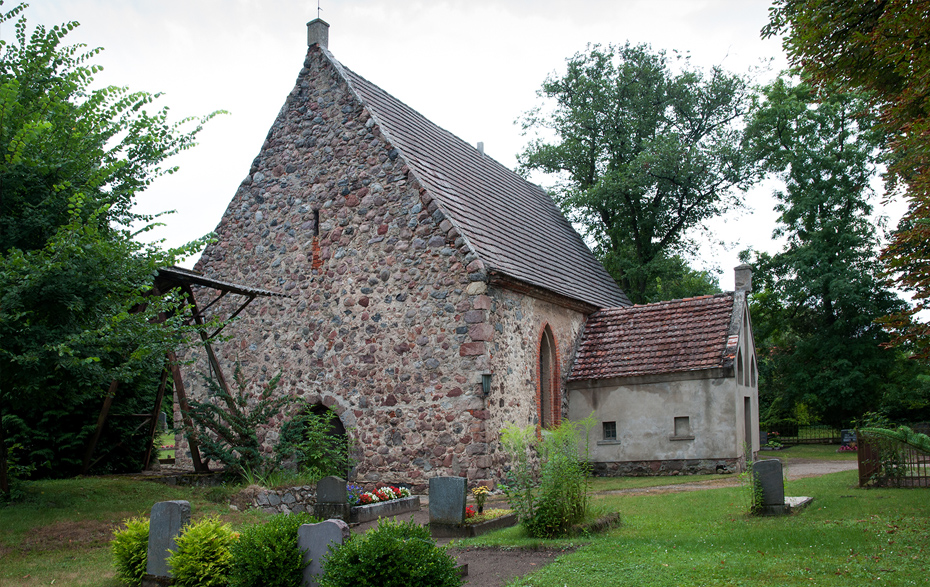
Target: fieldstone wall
x=517 y=323
x=293 y=500
x=390 y=320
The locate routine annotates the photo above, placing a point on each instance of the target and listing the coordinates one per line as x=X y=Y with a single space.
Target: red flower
x=469 y=512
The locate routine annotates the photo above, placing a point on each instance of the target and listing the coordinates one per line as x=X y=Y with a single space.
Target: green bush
x=130 y=547
x=309 y=438
x=202 y=558
x=395 y=554
x=225 y=424
x=266 y=555
x=559 y=500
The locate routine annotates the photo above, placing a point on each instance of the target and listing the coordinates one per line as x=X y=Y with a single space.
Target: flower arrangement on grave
x=488 y=515
x=383 y=494
x=847 y=448
x=481 y=494
x=353 y=493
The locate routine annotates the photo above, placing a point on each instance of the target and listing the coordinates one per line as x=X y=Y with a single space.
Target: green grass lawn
x=59 y=534
x=615 y=483
x=825 y=452
x=166 y=439
x=848 y=536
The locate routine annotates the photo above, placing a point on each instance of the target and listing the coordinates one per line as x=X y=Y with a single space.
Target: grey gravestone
x=165 y=523
x=447 y=500
x=763 y=438
x=331 y=499
x=316 y=540
x=331 y=490
x=848 y=437
x=768 y=479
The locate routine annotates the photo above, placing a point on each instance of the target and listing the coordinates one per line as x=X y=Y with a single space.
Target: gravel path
x=798 y=468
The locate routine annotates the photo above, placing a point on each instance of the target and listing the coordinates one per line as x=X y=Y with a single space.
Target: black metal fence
x=806 y=435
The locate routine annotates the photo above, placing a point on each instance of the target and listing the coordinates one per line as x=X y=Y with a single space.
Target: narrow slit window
x=610 y=430
x=316 y=223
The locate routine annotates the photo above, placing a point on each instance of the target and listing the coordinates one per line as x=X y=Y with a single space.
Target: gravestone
x=316 y=540
x=447 y=500
x=848 y=437
x=165 y=524
x=763 y=438
x=331 y=499
x=769 y=481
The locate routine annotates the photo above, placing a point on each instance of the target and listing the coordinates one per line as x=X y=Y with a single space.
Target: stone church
x=433 y=296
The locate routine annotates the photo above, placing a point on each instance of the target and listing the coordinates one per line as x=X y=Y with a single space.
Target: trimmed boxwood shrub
x=395 y=554
x=130 y=547
x=267 y=555
x=202 y=558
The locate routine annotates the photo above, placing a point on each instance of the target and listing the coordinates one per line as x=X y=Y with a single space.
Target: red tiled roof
x=513 y=225
x=665 y=337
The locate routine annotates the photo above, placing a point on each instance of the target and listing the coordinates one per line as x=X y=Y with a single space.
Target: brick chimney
x=318 y=33
x=743 y=278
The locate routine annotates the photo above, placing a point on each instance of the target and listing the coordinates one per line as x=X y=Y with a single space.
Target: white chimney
x=481 y=149
x=743 y=278
x=318 y=33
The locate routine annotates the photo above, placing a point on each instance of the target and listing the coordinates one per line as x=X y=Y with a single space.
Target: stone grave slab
x=769 y=481
x=768 y=478
x=332 y=499
x=316 y=540
x=165 y=523
x=447 y=500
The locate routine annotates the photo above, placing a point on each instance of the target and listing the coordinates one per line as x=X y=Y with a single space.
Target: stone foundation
x=671 y=467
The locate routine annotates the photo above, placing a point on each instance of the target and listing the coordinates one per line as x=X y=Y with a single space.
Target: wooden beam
x=236 y=313
x=185 y=412
x=211 y=356
x=101 y=420
x=153 y=425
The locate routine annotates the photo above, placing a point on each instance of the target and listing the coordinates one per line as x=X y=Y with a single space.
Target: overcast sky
x=472 y=67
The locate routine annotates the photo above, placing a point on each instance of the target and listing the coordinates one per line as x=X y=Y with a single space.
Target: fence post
x=865 y=455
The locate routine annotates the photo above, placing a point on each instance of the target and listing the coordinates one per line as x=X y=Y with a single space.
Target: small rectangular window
x=682 y=426
x=610 y=430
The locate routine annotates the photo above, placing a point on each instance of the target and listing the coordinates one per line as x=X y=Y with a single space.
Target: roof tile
x=513 y=225
x=665 y=337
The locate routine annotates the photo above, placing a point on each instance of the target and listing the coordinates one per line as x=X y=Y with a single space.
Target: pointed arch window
x=549 y=399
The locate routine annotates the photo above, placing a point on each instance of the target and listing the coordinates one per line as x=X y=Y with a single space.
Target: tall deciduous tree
x=881 y=46
x=643 y=153
x=73 y=278
x=819 y=297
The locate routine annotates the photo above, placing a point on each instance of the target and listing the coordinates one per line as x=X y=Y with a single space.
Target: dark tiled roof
x=666 y=337
x=513 y=225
